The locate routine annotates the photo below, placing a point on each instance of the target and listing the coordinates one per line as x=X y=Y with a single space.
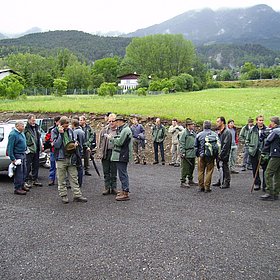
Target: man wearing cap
x=242 y=136
x=66 y=160
x=106 y=148
x=272 y=173
x=121 y=154
x=187 y=153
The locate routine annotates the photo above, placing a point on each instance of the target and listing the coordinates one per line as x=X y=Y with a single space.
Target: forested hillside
x=85 y=46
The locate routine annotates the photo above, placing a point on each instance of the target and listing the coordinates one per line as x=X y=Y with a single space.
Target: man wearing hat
x=272 y=173
x=66 y=160
x=187 y=153
x=121 y=154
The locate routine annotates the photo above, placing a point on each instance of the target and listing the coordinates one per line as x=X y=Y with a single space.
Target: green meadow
x=238 y=104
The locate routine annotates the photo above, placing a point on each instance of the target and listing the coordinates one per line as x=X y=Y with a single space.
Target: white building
x=128 y=81
x=6 y=72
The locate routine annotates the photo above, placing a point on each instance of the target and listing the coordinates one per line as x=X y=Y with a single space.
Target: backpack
x=212 y=146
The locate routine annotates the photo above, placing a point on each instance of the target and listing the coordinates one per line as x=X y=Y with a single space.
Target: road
x=163 y=232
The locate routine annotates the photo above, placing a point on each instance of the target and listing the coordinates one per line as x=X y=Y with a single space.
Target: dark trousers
x=255 y=162
x=32 y=165
x=109 y=171
x=123 y=175
x=86 y=154
x=225 y=178
x=160 y=145
x=80 y=170
x=19 y=174
x=187 y=168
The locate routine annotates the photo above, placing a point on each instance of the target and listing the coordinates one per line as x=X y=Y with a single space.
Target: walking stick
x=257 y=170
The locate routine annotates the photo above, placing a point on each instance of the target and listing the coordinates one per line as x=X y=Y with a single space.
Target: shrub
x=141 y=91
x=10 y=87
x=107 y=89
x=213 y=84
x=60 y=86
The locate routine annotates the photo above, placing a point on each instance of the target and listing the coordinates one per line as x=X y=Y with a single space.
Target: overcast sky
x=17 y=16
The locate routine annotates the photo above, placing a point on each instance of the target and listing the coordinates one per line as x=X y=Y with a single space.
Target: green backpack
x=212 y=146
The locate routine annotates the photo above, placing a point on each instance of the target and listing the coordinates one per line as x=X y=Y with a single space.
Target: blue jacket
x=272 y=144
x=16 y=144
x=199 y=143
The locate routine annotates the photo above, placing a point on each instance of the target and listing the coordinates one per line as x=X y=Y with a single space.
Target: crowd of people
x=73 y=144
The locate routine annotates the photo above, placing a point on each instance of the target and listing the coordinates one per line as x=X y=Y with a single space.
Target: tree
x=161 y=55
x=60 y=86
x=108 y=67
x=10 y=87
x=77 y=75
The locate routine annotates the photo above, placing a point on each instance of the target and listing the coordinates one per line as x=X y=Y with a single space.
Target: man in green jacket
x=121 y=154
x=158 y=134
x=187 y=152
x=255 y=141
x=34 y=147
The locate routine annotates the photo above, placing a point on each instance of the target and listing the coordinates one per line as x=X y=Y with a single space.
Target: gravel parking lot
x=163 y=232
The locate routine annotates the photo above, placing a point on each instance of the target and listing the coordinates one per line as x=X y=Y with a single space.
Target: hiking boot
x=137 y=162
x=80 y=199
x=234 y=172
x=201 y=189
x=27 y=185
x=269 y=197
x=177 y=165
x=184 y=185
x=51 y=183
x=37 y=183
x=208 y=190
x=225 y=186
x=25 y=189
x=163 y=162
x=106 y=192
x=20 y=192
x=192 y=183
x=144 y=162
x=243 y=168
x=122 y=197
x=113 y=191
x=171 y=163
x=218 y=184
x=257 y=188
x=64 y=199
x=155 y=162
x=87 y=173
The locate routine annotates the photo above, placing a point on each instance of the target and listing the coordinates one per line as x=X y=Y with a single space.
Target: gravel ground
x=163 y=232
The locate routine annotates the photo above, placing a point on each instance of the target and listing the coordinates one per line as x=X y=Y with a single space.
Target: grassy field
x=238 y=104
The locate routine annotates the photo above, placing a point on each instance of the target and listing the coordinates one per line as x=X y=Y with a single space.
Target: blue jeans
x=20 y=172
x=52 y=167
x=123 y=175
x=160 y=145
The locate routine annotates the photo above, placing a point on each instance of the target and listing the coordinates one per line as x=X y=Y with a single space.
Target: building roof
x=8 y=70
x=129 y=76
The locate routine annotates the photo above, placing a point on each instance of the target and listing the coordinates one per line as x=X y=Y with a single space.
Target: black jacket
x=226 y=139
x=272 y=144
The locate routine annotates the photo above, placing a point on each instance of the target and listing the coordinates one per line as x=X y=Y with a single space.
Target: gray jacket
x=199 y=143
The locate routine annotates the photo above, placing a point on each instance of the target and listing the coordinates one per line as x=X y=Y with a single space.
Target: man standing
x=175 y=130
x=63 y=137
x=226 y=140
x=272 y=173
x=233 y=150
x=254 y=141
x=242 y=136
x=106 y=146
x=158 y=134
x=122 y=152
x=79 y=136
x=138 y=134
x=205 y=160
x=16 y=151
x=90 y=143
x=49 y=142
x=187 y=152
x=34 y=147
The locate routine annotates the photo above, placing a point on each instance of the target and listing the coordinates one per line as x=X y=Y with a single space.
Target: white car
x=5 y=129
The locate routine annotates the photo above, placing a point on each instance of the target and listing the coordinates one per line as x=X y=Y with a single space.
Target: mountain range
x=259 y=24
